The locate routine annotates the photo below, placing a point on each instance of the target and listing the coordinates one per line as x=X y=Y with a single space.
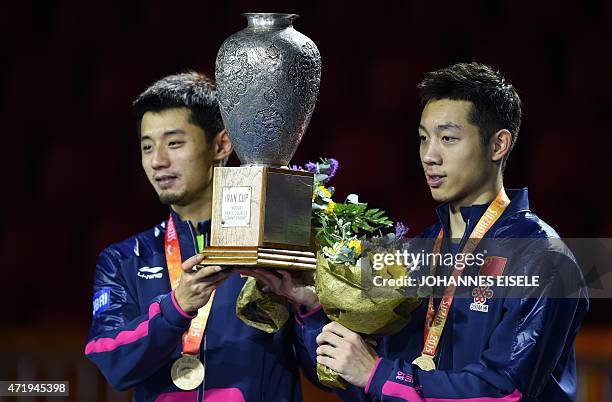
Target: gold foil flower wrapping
x=265 y=311
x=348 y=295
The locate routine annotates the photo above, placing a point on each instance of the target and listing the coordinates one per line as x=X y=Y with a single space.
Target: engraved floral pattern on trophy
x=264 y=127
x=305 y=74
x=236 y=71
x=268 y=79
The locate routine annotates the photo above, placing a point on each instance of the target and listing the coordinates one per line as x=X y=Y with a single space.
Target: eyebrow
x=448 y=126
x=442 y=127
x=176 y=131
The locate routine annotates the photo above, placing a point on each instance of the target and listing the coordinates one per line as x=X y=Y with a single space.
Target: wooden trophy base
x=260 y=257
x=261 y=218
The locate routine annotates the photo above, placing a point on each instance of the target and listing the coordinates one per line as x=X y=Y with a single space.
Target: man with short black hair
x=160 y=324
x=480 y=346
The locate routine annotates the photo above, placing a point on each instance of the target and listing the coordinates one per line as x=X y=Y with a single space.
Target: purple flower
x=296 y=167
x=401 y=230
x=333 y=167
x=327 y=168
x=311 y=167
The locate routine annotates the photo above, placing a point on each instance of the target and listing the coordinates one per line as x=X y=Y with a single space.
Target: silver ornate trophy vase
x=268 y=77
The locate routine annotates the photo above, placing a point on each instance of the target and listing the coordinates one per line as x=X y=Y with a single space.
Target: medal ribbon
x=434 y=321
x=192 y=338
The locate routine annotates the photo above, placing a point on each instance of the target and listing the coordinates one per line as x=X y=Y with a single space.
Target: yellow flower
x=330 y=208
x=325 y=191
x=356 y=245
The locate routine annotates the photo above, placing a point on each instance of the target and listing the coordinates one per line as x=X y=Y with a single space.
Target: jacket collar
x=187 y=234
x=519 y=202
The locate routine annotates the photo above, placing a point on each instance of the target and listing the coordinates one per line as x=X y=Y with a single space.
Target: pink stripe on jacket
x=408 y=393
x=124 y=337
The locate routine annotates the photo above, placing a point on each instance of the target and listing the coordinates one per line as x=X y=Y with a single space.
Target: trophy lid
x=269 y=20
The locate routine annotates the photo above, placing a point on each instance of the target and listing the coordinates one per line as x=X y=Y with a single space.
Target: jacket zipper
x=465 y=235
x=461 y=245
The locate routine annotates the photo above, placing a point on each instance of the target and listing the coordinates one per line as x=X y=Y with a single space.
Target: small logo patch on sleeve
x=101 y=301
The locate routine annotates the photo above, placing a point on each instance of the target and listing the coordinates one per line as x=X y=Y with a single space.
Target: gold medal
x=187 y=372
x=425 y=362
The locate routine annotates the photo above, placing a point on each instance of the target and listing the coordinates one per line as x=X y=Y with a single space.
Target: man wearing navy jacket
x=480 y=347
x=159 y=325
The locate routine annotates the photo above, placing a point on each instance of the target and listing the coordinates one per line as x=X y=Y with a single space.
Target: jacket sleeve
x=512 y=368
x=126 y=344
x=307 y=326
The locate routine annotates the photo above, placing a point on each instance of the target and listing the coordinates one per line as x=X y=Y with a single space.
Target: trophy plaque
x=268 y=77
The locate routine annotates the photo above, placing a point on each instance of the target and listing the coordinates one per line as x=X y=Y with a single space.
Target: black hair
x=192 y=90
x=496 y=104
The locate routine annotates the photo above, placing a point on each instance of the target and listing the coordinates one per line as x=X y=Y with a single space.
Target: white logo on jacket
x=150 y=272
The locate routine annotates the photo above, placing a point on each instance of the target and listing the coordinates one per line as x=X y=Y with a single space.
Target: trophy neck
x=269 y=21
x=251 y=164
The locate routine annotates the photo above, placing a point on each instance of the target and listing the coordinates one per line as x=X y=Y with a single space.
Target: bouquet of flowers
x=347 y=237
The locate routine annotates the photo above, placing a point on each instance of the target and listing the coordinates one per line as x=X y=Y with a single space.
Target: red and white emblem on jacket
x=481 y=294
x=492 y=266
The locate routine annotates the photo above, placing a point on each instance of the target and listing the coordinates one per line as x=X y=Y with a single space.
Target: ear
x=500 y=144
x=222 y=145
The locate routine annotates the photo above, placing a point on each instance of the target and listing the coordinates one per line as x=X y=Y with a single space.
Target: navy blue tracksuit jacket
x=517 y=347
x=135 y=335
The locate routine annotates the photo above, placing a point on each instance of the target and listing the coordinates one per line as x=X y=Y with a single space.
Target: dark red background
x=72 y=181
